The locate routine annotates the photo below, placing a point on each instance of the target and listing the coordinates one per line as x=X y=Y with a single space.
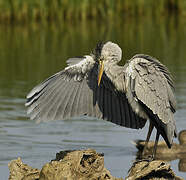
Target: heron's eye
x=100 y=60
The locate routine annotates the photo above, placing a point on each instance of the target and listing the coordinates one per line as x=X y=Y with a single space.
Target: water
x=29 y=54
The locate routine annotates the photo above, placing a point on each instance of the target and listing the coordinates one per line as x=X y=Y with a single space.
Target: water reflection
x=30 y=54
x=177 y=151
x=182 y=165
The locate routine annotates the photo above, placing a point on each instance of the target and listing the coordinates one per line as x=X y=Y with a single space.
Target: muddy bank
x=87 y=165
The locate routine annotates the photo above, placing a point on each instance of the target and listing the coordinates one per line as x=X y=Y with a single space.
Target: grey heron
x=95 y=85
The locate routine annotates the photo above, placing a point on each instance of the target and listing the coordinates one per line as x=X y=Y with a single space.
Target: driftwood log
x=87 y=165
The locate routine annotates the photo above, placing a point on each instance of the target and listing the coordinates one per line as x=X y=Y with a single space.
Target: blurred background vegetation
x=61 y=10
x=39 y=35
x=42 y=33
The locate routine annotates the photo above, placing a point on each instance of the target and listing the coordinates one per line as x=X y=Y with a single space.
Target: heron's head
x=106 y=54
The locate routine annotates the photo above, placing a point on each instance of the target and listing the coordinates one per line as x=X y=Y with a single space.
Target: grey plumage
x=152 y=89
x=128 y=96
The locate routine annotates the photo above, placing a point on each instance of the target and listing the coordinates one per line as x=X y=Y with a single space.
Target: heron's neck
x=115 y=73
x=111 y=70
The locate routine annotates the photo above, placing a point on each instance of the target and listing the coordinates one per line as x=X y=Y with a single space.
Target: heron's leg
x=151 y=126
x=155 y=145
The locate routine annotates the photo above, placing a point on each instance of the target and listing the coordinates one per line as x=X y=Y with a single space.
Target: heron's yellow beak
x=101 y=66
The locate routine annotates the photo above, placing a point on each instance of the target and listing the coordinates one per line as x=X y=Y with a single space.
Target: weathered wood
x=87 y=165
x=21 y=171
x=68 y=165
x=151 y=170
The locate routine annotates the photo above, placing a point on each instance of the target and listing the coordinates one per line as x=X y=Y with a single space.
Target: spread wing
x=74 y=92
x=151 y=83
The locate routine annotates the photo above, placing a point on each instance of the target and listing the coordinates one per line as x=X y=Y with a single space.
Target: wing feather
x=47 y=110
x=110 y=107
x=82 y=102
x=53 y=103
x=77 y=109
x=118 y=113
x=122 y=109
x=101 y=101
x=133 y=122
x=97 y=95
x=128 y=122
x=72 y=100
x=114 y=120
x=43 y=102
x=153 y=89
x=68 y=100
x=74 y=92
x=106 y=105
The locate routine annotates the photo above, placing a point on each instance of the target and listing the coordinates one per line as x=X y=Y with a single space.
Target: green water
x=36 y=51
x=29 y=54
